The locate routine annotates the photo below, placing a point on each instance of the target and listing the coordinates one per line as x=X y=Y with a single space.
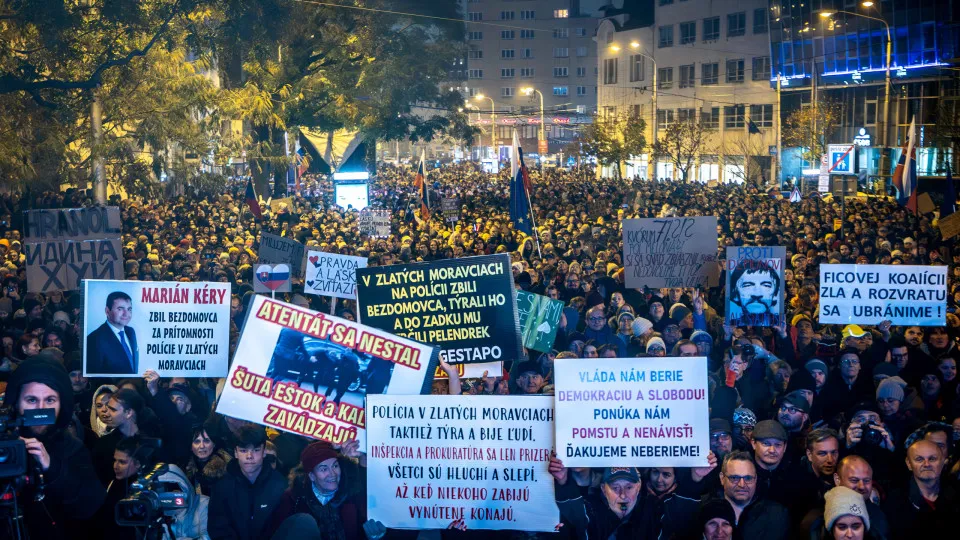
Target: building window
x=760 y=21
x=507 y=15
x=507 y=53
x=507 y=34
x=561 y=52
x=736 y=24
x=870 y=113
x=507 y=73
x=733 y=117
x=636 y=111
x=709 y=73
x=526 y=73
x=666 y=36
x=711 y=28
x=735 y=71
x=561 y=13
x=636 y=67
x=687 y=76
x=710 y=118
x=686 y=115
x=665 y=77
x=559 y=90
x=610 y=71
x=526 y=53
x=561 y=72
x=581 y=32
x=474 y=36
x=475 y=73
x=688 y=32
x=561 y=33
x=506 y=91
x=581 y=51
x=665 y=118
x=527 y=15
x=581 y=72
x=581 y=109
x=581 y=90
x=762 y=115
x=526 y=34
x=761 y=68
x=475 y=16
x=476 y=54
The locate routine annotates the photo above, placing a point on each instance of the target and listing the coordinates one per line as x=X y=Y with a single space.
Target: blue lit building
x=820 y=52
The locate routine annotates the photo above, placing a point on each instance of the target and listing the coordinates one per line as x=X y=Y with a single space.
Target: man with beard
x=754 y=294
x=794 y=415
x=918 y=359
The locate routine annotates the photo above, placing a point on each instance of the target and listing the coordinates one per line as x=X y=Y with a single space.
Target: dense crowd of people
x=816 y=431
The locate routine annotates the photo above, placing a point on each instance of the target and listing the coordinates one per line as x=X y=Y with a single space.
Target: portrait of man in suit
x=112 y=347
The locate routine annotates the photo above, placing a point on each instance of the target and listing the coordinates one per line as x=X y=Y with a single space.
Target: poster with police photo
x=755 y=286
x=176 y=329
x=308 y=373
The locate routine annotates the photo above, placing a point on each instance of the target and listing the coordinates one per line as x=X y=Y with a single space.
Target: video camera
x=150 y=500
x=13 y=453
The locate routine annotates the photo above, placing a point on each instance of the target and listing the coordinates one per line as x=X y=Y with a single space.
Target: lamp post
x=543 y=137
x=493 y=122
x=635 y=45
x=882 y=136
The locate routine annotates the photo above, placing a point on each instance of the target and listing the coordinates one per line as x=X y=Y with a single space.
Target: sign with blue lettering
x=840 y=157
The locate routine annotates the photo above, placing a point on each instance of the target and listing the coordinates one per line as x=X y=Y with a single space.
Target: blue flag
x=520 y=203
x=949 y=204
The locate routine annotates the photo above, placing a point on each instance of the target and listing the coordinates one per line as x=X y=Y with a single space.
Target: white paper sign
x=434 y=459
x=632 y=412
x=332 y=274
x=871 y=293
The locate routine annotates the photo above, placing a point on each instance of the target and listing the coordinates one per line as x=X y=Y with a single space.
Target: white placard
x=332 y=274
x=871 y=293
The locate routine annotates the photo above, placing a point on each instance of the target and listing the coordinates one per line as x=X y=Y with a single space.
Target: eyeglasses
x=850 y=361
x=736 y=479
x=790 y=410
x=719 y=436
x=596 y=318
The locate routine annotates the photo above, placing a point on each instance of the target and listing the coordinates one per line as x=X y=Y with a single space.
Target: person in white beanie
x=642 y=327
x=656 y=347
x=845 y=515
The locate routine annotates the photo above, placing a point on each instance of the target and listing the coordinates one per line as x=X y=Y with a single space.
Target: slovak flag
x=905 y=175
x=420 y=182
x=250 y=198
x=795 y=195
x=303 y=161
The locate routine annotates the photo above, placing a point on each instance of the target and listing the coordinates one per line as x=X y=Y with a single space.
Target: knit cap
x=843 y=501
x=655 y=342
x=641 y=326
x=891 y=387
x=679 y=312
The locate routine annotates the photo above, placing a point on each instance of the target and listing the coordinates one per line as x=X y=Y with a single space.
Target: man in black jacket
x=925 y=508
x=756 y=517
x=71 y=490
x=242 y=502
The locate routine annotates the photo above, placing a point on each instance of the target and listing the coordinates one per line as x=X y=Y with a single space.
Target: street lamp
x=527 y=91
x=635 y=45
x=493 y=122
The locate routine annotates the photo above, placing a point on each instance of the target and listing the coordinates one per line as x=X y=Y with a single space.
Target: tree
x=810 y=127
x=681 y=144
x=755 y=157
x=614 y=140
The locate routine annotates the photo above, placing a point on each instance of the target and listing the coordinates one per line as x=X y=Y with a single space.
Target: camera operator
x=70 y=488
x=866 y=436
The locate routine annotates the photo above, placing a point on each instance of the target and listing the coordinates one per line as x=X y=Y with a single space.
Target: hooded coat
x=191 y=522
x=341 y=518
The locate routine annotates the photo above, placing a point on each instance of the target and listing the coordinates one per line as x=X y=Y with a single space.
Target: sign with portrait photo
x=755 y=292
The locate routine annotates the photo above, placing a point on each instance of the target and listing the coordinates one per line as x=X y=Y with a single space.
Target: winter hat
x=716 y=508
x=655 y=342
x=316 y=453
x=891 y=387
x=641 y=326
x=885 y=369
x=679 y=312
x=843 y=501
x=816 y=363
x=743 y=416
x=797 y=400
x=626 y=315
x=61 y=316
x=45 y=369
x=700 y=335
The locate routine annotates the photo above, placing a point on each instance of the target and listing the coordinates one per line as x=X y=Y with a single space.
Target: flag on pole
x=517 y=164
x=949 y=204
x=795 y=195
x=303 y=161
x=250 y=197
x=905 y=175
x=519 y=200
x=420 y=182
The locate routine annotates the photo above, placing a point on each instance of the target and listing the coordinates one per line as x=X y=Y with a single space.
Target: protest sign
x=305 y=372
x=434 y=459
x=539 y=319
x=66 y=245
x=466 y=306
x=755 y=286
x=331 y=274
x=871 y=293
x=671 y=252
x=451 y=209
x=632 y=412
x=176 y=329
x=949 y=226
x=275 y=278
x=925 y=204
x=277 y=204
x=473 y=371
x=279 y=250
x=374 y=222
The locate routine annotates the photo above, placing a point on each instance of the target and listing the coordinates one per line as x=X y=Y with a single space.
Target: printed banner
x=374 y=222
x=66 y=245
x=432 y=460
x=331 y=274
x=755 y=286
x=539 y=319
x=465 y=306
x=176 y=329
x=871 y=293
x=279 y=250
x=306 y=372
x=671 y=252
x=269 y=279
x=451 y=209
x=632 y=412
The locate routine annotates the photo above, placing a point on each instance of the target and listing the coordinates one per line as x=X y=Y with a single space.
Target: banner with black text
x=871 y=293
